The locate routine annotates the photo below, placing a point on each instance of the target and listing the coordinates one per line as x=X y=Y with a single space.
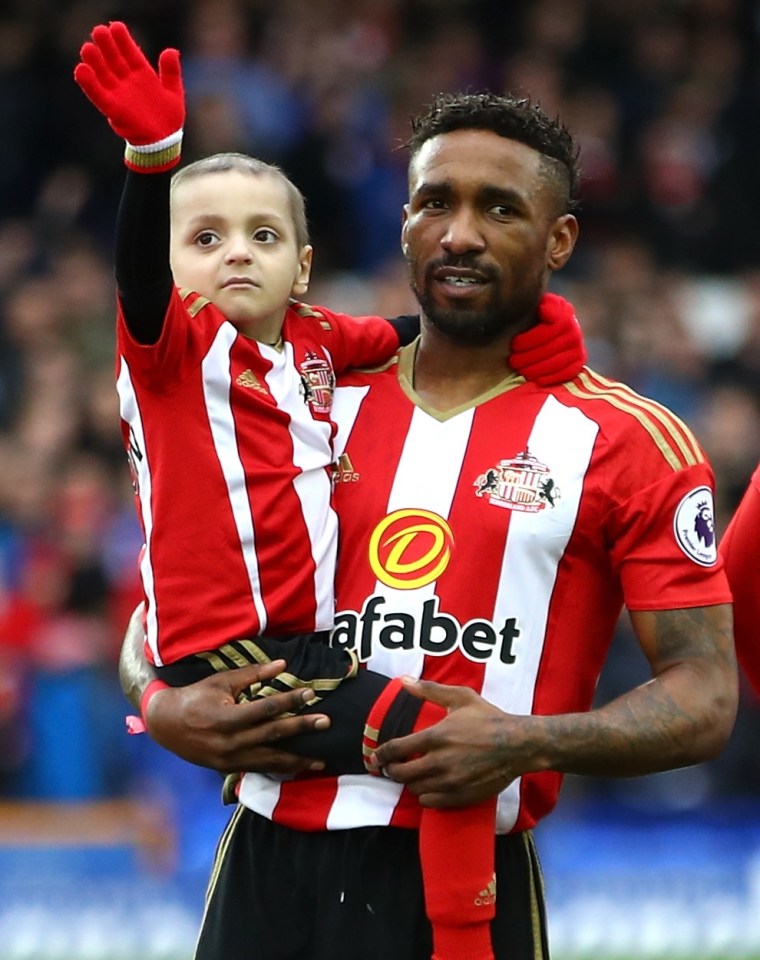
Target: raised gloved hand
x=553 y=350
x=145 y=107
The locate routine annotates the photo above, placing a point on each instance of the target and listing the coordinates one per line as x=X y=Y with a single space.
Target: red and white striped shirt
x=494 y=547
x=231 y=444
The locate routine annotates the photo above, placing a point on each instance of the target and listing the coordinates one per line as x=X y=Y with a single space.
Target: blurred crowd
x=664 y=99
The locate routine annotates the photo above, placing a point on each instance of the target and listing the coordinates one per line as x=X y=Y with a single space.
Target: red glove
x=552 y=351
x=146 y=108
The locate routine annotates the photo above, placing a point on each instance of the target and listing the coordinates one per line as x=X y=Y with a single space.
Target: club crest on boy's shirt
x=317 y=382
x=521 y=483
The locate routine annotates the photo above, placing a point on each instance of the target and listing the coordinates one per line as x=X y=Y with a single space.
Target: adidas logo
x=249 y=379
x=487 y=897
x=343 y=471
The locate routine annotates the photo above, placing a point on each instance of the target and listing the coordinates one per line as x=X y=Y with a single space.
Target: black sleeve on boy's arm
x=143 y=274
x=407 y=327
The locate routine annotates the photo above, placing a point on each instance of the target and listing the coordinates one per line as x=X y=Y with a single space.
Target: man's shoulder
x=602 y=396
x=632 y=421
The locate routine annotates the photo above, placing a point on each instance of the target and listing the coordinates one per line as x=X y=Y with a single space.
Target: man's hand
x=144 y=106
x=682 y=716
x=204 y=724
x=458 y=761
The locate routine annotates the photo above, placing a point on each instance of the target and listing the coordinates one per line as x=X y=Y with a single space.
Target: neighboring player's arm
x=202 y=722
x=683 y=715
x=740 y=548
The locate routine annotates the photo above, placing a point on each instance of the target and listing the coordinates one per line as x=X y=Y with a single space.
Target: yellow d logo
x=410 y=548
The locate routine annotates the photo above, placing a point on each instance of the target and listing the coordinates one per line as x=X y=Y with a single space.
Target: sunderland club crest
x=317 y=383
x=522 y=483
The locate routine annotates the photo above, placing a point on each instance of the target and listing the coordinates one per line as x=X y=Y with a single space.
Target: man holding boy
x=491 y=531
x=226 y=387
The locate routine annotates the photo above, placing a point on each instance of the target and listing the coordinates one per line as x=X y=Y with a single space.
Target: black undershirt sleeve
x=143 y=274
x=407 y=328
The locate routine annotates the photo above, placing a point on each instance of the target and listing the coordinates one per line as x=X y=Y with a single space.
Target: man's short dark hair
x=515 y=118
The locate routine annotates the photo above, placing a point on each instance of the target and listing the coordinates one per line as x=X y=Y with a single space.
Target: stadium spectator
x=739 y=548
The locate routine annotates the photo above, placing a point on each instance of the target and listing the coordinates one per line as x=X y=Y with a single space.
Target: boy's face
x=233 y=241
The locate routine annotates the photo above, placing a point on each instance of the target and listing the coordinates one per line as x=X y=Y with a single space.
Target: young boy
x=225 y=384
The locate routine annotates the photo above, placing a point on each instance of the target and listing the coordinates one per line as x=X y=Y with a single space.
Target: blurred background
x=105 y=840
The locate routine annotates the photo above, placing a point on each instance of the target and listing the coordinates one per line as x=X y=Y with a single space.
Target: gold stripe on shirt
x=671 y=436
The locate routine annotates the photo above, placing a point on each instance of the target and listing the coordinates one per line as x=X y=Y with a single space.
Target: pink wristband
x=150 y=691
x=134 y=725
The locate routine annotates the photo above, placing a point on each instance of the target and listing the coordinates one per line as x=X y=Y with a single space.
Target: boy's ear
x=301 y=284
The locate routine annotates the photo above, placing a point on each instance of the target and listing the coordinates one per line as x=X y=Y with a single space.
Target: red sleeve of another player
x=664 y=545
x=740 y=549
x=361 y=341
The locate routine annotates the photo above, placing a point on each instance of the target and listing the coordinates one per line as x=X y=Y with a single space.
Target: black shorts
x=281 y=894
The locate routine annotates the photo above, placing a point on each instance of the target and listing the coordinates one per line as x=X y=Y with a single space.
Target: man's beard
x=476 y=326
x=472 y=326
